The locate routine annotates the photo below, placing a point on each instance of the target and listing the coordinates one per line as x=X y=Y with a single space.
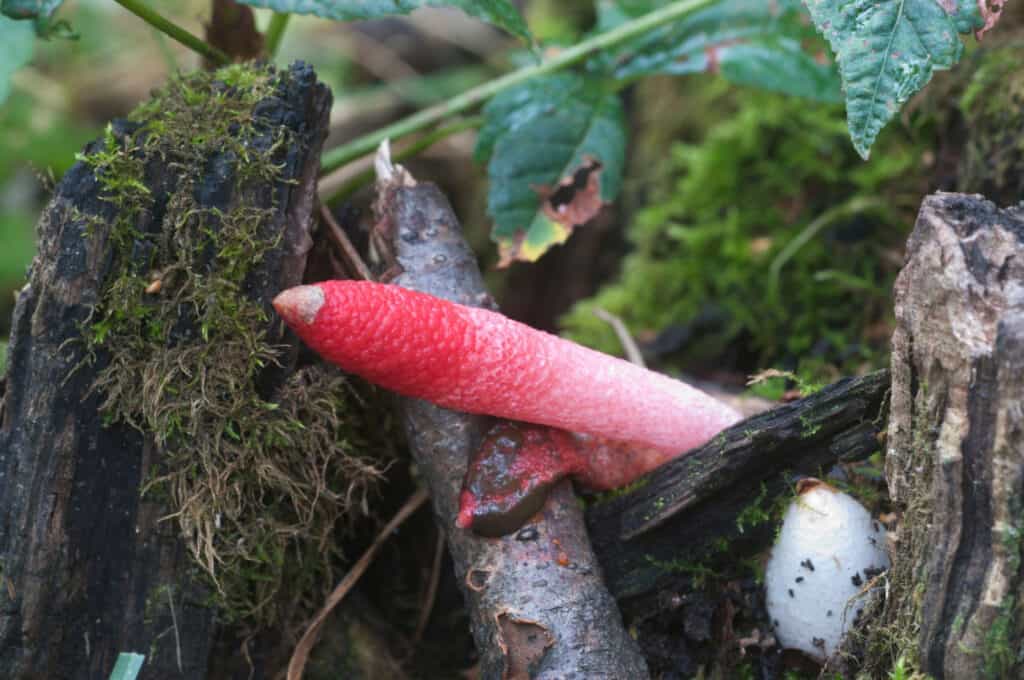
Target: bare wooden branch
x=536 y=598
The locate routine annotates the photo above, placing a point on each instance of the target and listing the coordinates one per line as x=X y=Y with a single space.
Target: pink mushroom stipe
x=478 y=361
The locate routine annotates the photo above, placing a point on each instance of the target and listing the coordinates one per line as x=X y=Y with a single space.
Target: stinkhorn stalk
x=478 y=361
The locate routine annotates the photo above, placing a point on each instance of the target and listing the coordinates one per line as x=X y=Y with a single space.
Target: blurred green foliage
x=34 y=139
x=18 y=246
x=734 y=255
x=34 y=136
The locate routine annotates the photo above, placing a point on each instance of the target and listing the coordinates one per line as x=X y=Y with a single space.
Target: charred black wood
x=650 y=538
x=88 y=569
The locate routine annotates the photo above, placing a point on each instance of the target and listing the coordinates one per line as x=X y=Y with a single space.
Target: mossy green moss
x=890 y=641
x=771 y=238
x=258 y=483
x=992 y=104
x=700 y=573
x=758 y=512
x=1001 y=642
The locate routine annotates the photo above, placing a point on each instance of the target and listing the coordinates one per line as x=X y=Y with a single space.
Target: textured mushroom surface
x=478 y=361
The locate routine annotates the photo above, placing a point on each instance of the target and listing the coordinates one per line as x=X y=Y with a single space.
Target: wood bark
x=89 y=571
x=681 y=510
x=537 y=601
x=955 y=459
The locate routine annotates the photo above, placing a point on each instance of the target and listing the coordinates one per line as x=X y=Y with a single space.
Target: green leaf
x=128 y=666
x=511 y=109
x=16 y=41
x=501 y=13
x=556 y=146
x=42 y=12
x=29 y=9
x=750 y=42
x=888 y=50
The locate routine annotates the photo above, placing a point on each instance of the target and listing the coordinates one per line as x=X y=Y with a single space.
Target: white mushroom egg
x=828 y=550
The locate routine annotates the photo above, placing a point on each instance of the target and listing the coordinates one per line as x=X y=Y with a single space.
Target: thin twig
x=174 y=625
x=365 y=177
x=435 y=580
x=165 y=51
x=379 y=59
x=825 y=219
x=275 y=31
x=301 y=653
x=349 y=253
x=625 y=339
x=361 y=146
x=173 y=30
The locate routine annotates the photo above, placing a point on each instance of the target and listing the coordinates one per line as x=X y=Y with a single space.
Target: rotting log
x=955 y=458
x=88 y=568
x=679 y=512
x=537 y=602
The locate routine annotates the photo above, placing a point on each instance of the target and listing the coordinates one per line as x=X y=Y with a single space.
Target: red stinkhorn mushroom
x=517 y=464
x=478 y=361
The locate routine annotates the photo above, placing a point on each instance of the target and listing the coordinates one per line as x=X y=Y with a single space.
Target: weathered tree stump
x=88 y=568
x=538 y=605
x=955 y=459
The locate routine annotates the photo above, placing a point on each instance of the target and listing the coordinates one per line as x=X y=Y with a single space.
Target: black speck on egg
x=799 y=579
x=857 y=580
x=791 y=593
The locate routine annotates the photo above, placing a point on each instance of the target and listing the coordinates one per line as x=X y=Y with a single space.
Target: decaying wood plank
x=536 y=599
x=955 y=459
x=682 y=510
x=88 y=570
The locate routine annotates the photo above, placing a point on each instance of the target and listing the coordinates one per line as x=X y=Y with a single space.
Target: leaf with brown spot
x=556 y=148
x=990 y=10
x=759 y=43
x=887 y=50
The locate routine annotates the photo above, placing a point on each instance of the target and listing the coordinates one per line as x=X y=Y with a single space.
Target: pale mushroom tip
x=299 y=304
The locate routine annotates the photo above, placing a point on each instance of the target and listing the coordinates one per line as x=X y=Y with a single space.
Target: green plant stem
x=426 y=141
x=345 y=153
x=171 y=29
x=275 y=31
x=165 y=51
x=851 y=207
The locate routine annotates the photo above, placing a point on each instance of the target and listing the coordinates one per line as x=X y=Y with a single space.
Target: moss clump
x=1001 y=653
x=771 y=244
x=992 y=105
x=891 y=639
x=754 y=514
x=257 y=482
